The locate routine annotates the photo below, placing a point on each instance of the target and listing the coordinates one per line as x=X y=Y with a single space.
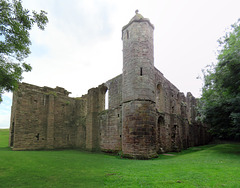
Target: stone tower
x=138 y=89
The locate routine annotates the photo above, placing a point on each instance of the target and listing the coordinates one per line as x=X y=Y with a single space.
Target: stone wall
x=110 y=121
x=95 y=105
x=114 y=87
x=177 y=127
x=46 y=118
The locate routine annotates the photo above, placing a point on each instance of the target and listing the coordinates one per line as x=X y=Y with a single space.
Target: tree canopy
x=220 y=101
x=15 y=24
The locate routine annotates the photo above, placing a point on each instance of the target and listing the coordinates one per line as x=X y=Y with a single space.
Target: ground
x=205 y=166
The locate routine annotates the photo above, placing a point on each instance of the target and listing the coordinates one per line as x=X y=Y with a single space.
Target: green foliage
x=15 y=24
x=68 y=102
x=206 y=166
x=220 y=102
x=52 y=93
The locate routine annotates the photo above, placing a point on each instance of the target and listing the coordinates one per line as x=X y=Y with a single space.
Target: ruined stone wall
x=114 y=92
x=110 y=121
x=95 y=105
x=28 y=123
x=176 y=127
x=46 y=118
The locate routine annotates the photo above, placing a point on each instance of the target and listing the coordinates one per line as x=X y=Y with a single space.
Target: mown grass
x=205 y=166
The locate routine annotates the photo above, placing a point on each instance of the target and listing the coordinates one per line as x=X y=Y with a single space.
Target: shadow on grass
x=185 y=152
x=5 y=149
x=228 y=148
x=171 y=155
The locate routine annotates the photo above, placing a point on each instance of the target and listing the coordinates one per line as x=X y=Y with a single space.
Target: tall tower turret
x=138 y=89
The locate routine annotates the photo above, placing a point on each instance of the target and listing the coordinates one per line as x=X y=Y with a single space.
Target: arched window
x=106 y=100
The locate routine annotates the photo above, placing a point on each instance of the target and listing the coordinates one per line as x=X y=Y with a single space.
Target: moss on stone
x=52 y=93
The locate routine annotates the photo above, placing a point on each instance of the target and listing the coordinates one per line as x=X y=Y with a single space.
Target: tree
x=15 y=24
x=220 y=101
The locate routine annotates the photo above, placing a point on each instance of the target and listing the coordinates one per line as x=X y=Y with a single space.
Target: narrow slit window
x=141 y=71
x=127 y=34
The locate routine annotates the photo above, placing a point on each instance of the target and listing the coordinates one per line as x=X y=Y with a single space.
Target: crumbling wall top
x=45 y=89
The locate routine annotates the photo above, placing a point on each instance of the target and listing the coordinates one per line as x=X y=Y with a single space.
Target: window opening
x=141 y=71
x=127 y=34
x=37 y=136
x=106 y=100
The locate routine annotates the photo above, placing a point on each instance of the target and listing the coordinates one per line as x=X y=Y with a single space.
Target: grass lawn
x=205 y=166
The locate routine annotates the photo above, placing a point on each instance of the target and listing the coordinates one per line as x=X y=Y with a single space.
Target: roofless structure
x=147 y=114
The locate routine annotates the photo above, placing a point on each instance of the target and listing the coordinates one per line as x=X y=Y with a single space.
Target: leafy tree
x=15 y=24
x=220 y=101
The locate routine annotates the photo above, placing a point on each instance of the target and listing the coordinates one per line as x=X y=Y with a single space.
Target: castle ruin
x=146 y=113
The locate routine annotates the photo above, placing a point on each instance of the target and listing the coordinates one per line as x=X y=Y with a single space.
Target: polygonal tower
x=138 y=89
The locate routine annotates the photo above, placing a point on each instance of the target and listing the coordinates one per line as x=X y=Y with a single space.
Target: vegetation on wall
x=220 y=101
x=15 y=24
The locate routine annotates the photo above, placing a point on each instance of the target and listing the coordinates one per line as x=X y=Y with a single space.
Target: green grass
x=205 y=166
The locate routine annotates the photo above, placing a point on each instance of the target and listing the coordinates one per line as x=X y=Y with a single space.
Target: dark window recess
x=118 y=115
x=141 y=71
x=37 y=136
x=127 y=34
x=120 y=136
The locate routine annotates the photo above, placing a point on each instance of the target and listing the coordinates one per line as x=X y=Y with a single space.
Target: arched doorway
x=160 y=133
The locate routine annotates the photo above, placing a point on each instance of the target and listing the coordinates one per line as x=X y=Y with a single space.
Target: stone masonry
x=146 y=114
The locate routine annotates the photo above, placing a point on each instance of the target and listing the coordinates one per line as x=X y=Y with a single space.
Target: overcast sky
x=81 y=46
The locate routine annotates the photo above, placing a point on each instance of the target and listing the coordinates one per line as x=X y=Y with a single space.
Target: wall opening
x=173 y=137
x=106 y=100
x=159 y=88
x=128 y=34
x=141 y=71
x=37 y=136
x=160 y=133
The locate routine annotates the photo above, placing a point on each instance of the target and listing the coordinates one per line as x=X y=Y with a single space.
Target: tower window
x=141 y=71
x=127 y=34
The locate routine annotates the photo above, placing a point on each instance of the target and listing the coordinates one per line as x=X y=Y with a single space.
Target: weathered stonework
x=146 y=114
